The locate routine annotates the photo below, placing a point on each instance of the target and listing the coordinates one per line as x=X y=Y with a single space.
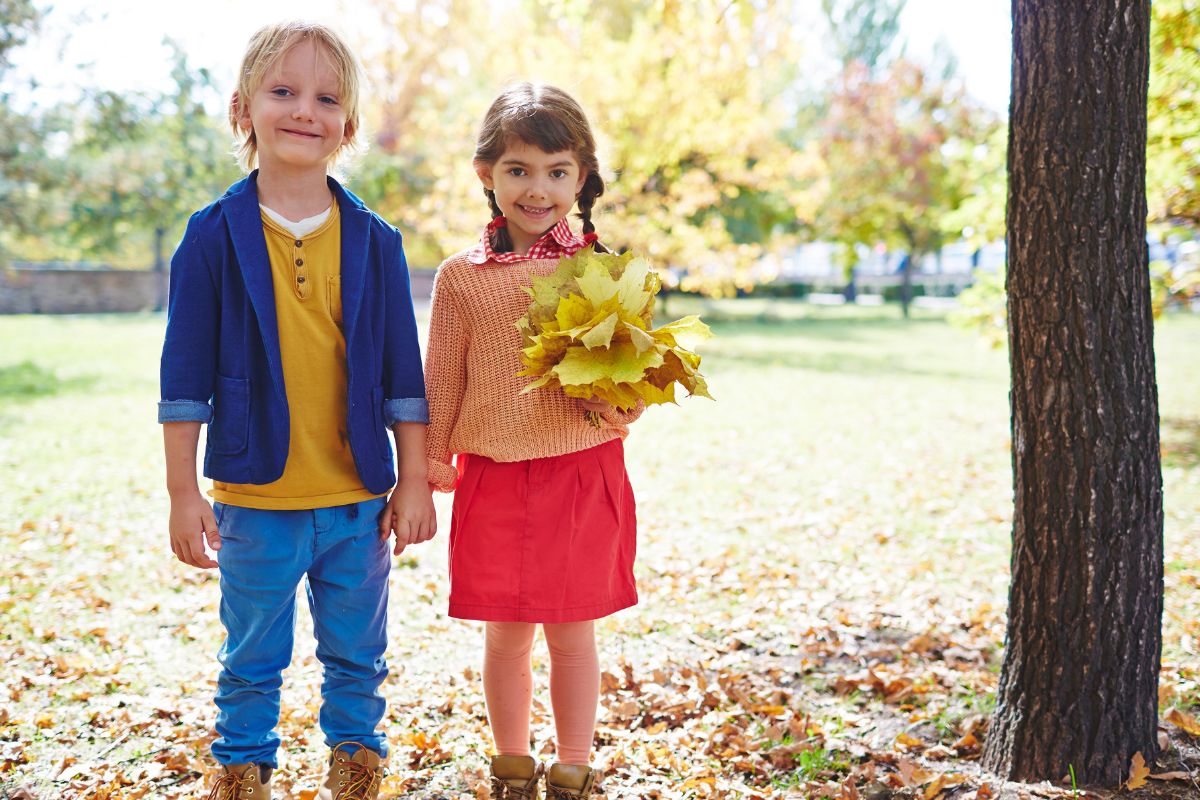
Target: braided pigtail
x=593 y=187
x=501 y=240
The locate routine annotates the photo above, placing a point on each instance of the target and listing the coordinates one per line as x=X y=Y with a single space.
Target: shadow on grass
x=876 y=346
x=28 y=380
x=1180 y=442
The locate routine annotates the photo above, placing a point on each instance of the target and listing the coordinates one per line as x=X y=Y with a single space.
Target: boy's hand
x=410 y=513
x=193 y=522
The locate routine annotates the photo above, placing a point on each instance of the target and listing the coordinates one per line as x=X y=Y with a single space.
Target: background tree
x=700 y=176
x=24 y=166
x=143 y=163
x=1078 y=688
x=864 y=31
x=897 y=151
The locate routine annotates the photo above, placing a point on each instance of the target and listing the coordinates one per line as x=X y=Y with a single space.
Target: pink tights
x=574 y=686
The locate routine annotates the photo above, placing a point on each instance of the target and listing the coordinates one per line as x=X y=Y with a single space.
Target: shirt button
x=299 y=262
x=299 y=243
x=300 y=279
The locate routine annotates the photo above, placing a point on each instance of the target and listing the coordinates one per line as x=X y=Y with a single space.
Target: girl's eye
x=558 y=173
x=327 y=100
x=281 y=91
x=517 y=172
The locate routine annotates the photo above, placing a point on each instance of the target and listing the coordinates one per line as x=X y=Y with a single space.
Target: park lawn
x=823 y=568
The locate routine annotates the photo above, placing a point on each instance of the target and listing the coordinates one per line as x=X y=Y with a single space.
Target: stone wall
x=41 y=289
x=30 y=289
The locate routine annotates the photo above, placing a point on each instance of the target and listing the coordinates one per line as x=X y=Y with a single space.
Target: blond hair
x=266 y=47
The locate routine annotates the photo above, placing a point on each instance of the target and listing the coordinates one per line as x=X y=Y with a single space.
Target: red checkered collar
x=558 y=242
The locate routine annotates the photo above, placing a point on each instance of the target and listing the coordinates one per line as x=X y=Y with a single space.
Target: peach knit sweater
x=475 y=400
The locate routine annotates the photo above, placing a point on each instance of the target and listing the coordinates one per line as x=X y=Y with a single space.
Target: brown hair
x=549 y=119
x=271 y=43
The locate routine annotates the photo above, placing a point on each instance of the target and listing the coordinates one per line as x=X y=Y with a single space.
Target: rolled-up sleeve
x=403 y=380
x=188 y=368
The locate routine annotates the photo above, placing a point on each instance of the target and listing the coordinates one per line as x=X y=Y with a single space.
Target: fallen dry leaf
x=1138 y=772
x=1184 y=721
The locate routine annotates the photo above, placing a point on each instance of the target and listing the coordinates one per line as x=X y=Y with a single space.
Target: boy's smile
x=296 y=114
x=534 y=189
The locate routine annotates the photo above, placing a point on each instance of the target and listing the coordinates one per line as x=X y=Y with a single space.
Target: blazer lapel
x=244 y=218
x=356 y=229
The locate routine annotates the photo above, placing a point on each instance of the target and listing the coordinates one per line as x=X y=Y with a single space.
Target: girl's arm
x=446 y=380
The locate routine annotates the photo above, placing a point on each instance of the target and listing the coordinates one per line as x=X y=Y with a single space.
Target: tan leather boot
x=242 y=782
x=569 y=782
x=355 y=773
x=515 y=778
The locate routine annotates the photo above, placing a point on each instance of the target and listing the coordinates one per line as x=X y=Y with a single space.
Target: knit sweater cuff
x=442 y=476
x=618 y=417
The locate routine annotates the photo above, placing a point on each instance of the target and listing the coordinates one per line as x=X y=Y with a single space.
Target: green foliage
x=699 y=174
x=18 y=19
x=863 y=31
x=144 y=162
x=899 y=158
x=983 y=308
x=1173 y=128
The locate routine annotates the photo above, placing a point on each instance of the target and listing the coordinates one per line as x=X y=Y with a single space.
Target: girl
x=543 y=528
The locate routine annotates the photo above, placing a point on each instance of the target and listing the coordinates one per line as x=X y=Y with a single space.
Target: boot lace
x=229 y=787
x=506 y=791
x=362 y=783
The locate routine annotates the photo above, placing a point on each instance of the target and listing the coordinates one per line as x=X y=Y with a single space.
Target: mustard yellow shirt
x=320 y=471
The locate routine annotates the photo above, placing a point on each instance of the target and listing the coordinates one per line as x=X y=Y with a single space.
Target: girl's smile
x=534 y=189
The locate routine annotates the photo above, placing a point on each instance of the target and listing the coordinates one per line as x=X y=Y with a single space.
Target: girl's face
x=534 y=189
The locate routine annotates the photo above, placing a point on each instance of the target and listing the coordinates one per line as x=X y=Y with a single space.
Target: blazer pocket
x=335 y=299
x=230 y=427
x=381 y=431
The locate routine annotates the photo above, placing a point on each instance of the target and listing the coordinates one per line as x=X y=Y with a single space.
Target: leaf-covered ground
x=823 y=567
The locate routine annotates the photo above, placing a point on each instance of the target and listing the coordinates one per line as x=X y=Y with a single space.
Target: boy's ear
x=239 y=112
x=348 y=132
x=484 y=171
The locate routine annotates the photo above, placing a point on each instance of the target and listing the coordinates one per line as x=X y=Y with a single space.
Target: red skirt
x=544 y=540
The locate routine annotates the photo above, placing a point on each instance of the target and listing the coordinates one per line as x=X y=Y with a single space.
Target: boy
x=290 y=332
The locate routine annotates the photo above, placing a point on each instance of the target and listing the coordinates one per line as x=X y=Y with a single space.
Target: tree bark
x=1079 y=685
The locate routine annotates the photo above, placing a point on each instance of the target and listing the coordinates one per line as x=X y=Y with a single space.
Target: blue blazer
x=221 y=363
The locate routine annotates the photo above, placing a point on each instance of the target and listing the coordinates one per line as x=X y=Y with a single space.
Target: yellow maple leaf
x=588 y=334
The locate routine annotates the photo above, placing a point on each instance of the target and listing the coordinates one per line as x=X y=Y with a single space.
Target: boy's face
x=297 y=114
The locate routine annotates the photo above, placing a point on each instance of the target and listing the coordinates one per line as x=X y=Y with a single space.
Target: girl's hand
x=596 y=405
x=409 y=513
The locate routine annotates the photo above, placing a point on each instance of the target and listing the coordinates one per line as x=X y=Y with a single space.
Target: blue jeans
x=263 y=556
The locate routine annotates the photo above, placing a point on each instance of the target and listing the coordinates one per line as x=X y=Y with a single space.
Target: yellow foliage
x=588 y=332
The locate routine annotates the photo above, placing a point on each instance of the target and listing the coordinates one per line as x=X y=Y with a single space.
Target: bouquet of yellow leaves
x=588 y=332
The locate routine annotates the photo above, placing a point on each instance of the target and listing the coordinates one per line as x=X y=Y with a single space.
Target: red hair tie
x=499 y=222
x=590 y=238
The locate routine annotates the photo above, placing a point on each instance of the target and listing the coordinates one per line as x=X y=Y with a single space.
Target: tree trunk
x=1080 y=674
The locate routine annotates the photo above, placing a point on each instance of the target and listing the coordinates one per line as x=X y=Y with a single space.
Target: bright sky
x=119 y=43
